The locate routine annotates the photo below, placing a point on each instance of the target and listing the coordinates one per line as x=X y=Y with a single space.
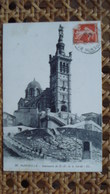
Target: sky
x=26 y=49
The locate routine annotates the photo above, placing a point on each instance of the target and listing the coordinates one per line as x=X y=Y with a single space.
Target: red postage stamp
x=85 y=33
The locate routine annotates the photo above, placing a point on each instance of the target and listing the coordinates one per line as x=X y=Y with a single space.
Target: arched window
x=37 y=92
x=63 y=87
x=86 y=150
x=67 y=68
x=60 y=66
x=86 y=146
x=31 y=91
x=64 y=108
x=64 y=67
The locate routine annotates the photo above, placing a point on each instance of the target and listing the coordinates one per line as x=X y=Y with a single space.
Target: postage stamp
x=87 y=38
x=85 y=33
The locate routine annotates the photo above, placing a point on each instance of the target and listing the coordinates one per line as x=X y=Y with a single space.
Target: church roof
x=34 y=84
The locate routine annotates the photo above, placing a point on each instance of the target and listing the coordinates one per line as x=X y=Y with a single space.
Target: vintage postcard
x=52 y=97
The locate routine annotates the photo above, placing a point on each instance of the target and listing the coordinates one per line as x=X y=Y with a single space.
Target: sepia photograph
x=52 y=97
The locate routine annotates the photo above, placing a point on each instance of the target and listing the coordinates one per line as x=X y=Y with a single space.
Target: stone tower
x=60 y=77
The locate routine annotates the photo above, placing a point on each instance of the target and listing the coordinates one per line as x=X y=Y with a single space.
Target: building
x=8 y=119
x=97 y=118
x=60 y=77
x=32 y=110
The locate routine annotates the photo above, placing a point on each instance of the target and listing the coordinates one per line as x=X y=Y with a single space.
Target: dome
x=34 y=84
x=33 y=89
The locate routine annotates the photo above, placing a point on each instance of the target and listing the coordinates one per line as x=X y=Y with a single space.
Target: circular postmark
x=87 y=38
x=88 y=48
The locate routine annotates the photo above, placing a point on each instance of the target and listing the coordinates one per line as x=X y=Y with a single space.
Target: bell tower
x=60 y=77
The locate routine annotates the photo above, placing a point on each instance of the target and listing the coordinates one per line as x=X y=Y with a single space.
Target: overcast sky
x=26 y=49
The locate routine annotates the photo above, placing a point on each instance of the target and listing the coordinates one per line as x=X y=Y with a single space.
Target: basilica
x=50 y=107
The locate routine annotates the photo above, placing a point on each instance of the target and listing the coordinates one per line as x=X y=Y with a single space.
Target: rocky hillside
x=45 y=145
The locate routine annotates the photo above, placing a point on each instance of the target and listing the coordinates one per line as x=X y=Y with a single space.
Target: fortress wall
x=84 y=135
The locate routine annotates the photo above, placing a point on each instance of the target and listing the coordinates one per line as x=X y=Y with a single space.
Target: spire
x=60 y=45
x=60 y=34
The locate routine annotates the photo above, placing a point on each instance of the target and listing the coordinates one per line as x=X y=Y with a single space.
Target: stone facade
x=60 y=77
x=57 y=98
x=27 y=117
